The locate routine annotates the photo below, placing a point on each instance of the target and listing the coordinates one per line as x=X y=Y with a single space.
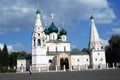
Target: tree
x=13 y=57
x=85 y=50
x=5 y=56
x=1 y=59
x=113 y=50
x=75 y=50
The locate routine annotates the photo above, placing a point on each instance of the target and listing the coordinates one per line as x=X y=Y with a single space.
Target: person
x=30 y=71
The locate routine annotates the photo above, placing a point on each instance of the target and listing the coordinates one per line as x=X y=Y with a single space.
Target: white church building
x=52 y=51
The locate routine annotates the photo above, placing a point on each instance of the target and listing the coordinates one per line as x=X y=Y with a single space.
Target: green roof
x=63 y=32
x=21 y=57
x=78 y=53
x=56 y=52
x=91 y=17
x=53 y=28
x=38 y=11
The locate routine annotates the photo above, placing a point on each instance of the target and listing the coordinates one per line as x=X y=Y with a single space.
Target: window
x=48 y=49
x=101 y=59
x=50 y=61
x=56 y=49
x=64 y=48
x=34 y=42
x=39 y=42
x=98 y=53
x=87 y=60
x=38 y=34
x=78 y=60
x=96 y=59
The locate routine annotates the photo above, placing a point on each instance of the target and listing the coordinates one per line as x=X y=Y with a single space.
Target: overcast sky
x=17 y=19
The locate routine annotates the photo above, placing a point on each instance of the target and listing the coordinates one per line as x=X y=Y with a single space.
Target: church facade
x=51 y=49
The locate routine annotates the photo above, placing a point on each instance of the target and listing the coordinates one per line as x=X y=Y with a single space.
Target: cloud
x=13 y=48
x=73 y=46
x=21 y=14
x=116 y=30
x=10 y=47
x=18 y=47
x=104 y=42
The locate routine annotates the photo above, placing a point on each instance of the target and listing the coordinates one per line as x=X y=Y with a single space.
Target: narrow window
x=98 y=53
x=64 y=48
x=53 y=37
x=39 y=42
x=56 y=49
x=96 y=59
x=78 y=60
x=47 y=49
x=34 y=42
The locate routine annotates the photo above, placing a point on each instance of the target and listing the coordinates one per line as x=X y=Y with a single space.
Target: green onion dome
x=63 y=32
x=91 y=17
x=46 y=31
x=53 y=28
x=38 y=11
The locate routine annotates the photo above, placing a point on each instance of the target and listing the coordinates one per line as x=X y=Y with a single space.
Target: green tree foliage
x=5 y=56
x=75 y=50
x=113 y=50
x=13 y=57
x=1 y=59
x=85 y=50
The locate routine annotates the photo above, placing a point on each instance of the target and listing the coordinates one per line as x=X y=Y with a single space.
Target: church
x=52 y=51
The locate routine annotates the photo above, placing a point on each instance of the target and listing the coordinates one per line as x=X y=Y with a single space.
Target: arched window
x=39 y=42
x=64 y=48
x=53 y=37
x=48 y=49
x=34 y=42
x=56 y=49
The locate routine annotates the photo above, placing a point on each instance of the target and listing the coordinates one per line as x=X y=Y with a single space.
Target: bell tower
x=38 y=43
x=97 y=53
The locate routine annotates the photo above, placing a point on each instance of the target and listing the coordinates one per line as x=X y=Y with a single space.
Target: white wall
x=21 y=62
x=80 y=60
x=60 y=46
x=98 y=57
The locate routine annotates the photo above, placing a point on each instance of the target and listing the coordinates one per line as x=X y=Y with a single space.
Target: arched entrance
x=64 y=62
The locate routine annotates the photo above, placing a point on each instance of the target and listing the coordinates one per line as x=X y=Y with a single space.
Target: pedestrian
x=30 y=71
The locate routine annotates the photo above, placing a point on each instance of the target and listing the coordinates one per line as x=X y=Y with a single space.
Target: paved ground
x=111 y=74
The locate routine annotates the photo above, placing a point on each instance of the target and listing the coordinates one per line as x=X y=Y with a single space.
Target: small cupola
x=63 y=32
x=91 y=17
x=38 y=11
x=53 y=28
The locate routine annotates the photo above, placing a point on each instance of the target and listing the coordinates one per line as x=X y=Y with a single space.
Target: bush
x=5 y=70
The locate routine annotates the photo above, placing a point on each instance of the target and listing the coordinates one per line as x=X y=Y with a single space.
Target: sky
x=17 y=20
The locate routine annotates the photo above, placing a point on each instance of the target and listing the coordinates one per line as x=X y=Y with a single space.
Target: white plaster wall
x=40 y=51
x=60 y=46
x=80 y=60
x=98 y=57
x=47 y=37
x=63 y=37
x=40 y=60
x=33 y=59
x=53 y=34
x=21 y=62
